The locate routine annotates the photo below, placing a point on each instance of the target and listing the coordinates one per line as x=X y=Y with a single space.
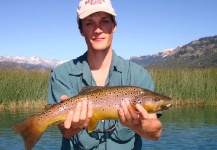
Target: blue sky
x=48 y=28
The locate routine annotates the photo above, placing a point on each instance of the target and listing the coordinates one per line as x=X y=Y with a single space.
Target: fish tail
x=31 y=130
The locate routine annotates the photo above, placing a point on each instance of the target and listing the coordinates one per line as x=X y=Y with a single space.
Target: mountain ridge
x=30 y=62
x=200 y=53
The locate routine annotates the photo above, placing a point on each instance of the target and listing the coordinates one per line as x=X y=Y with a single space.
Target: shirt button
x=102 y=120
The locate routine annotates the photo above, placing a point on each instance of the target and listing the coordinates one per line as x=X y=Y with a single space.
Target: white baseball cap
x=88 y=7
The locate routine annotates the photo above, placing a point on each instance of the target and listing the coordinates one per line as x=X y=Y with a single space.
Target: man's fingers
x=77 y=113
x=143 y=113
x=121 y=115
x=63 y=98
x=134 y=114
x=125 y=110
x=83 y=111
x=90 y=110
x=89 y=113
x=80 y=116
x=68 y=121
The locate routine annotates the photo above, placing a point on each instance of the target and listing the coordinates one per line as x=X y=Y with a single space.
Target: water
x=188 y=128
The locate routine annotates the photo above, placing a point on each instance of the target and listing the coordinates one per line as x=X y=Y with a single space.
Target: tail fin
x=31 y=131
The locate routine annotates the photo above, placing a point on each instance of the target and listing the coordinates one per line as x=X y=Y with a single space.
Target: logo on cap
x=93 y=2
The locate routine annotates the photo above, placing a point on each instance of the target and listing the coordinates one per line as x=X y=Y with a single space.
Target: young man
x=100 y=66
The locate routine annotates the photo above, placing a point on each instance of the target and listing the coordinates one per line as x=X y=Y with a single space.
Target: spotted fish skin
x=105 y=100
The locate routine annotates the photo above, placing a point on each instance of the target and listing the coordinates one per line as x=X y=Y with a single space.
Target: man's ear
x=115 y=26
x=81 y=32
x=114 y=29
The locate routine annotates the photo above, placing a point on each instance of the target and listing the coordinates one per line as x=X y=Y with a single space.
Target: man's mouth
x=98 y=39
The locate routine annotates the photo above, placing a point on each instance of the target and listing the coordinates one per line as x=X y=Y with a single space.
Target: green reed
x=23 y=86
x=187 y=86
x=191 y=87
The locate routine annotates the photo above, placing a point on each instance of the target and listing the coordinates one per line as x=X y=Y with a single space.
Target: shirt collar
x=117 y=63
x=81 y=65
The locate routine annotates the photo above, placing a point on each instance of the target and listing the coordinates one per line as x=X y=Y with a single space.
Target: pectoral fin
x=92 y=125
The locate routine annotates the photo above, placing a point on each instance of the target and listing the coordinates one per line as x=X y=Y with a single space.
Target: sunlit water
x=186 y=128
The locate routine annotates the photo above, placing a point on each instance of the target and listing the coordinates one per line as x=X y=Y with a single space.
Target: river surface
x=183 y=128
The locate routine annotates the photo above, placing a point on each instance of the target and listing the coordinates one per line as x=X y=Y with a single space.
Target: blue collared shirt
x=68 y=79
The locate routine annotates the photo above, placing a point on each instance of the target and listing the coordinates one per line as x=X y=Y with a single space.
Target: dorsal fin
x=89 y=89
x=48 y=106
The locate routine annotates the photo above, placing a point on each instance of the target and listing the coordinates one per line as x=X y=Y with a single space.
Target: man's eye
x=88 y=23
x=105 y=21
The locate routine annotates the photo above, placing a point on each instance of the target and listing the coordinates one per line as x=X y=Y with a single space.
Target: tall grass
x=23 y=88
x=194 y=86
x=185 y=87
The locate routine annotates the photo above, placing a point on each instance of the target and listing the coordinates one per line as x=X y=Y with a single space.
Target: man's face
x=98 y=30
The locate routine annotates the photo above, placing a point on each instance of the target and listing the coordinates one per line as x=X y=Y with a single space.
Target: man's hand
x=129 y=117
x=144 y=124
x=76 y=119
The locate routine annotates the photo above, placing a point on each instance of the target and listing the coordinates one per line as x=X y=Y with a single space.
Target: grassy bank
x=23 y=88
x=185 y=87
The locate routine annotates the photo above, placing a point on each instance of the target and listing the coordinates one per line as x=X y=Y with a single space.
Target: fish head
x=152 y=101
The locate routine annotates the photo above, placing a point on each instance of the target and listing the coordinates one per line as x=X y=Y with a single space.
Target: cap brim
x=96 y=9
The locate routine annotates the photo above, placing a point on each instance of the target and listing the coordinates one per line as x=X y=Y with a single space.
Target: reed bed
x=23 y=88
x=187 y=86
x=195 y=87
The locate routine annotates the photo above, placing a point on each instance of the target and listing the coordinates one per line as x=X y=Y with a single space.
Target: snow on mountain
x=151 y=59
x=164 y=53
x=161 y=54
x=37 y=61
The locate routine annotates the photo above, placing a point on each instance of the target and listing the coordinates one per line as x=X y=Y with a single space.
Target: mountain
x=9 y=62
x=201 y=53
x=151 y=59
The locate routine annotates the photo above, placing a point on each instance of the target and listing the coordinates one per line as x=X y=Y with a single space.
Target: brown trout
x=106 y=101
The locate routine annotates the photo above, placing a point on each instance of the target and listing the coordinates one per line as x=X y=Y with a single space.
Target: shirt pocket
x=85 y=141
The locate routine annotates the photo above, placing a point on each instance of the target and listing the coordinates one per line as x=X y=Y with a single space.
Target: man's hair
x=80 y=22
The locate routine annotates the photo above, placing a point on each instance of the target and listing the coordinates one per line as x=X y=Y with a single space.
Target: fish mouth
x=162 y=105
x=166 y=105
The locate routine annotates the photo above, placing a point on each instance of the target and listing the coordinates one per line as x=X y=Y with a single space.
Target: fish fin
x=89 y=89
x=92 y=125
x=48 y=106
x=31 y=130
x=56 y=123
